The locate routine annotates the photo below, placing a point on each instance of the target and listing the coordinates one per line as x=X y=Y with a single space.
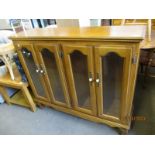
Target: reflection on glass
x=27 y=55
x=112 y=74
x=79 y=65
x=53 y=74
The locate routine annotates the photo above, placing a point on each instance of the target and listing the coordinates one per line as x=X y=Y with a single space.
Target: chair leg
x=9 y=66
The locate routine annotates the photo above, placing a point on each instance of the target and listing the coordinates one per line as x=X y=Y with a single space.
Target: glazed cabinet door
x=80 y=75
x=53 y=72
x=113 y=65
x=31 y=67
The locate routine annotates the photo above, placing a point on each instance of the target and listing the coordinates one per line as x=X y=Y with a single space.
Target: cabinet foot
x=123 y=131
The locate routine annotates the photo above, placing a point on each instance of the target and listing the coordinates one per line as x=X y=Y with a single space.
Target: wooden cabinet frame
x=92 y=44
x=87 y=51
x=30 y=47
x=126 y=54
x=93 y=53
x=53 y=48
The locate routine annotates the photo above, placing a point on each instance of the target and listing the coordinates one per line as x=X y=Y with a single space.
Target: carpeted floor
x=16 y=120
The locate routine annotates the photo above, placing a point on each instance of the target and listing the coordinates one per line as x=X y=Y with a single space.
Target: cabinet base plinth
x=123 y=131
x=84 y=115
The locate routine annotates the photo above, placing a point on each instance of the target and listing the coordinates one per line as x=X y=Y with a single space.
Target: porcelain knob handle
x=37 y=70
x=97 y=80
x=90 y=79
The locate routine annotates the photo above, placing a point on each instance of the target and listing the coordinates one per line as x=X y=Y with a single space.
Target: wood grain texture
x=82 y=50
x=54 y=74
x=89 y=90
x=106 y=32
x=22 y=97
x=125 y=53
x=31 y=74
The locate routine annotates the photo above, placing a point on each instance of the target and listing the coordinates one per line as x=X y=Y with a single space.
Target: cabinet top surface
x=104 y=32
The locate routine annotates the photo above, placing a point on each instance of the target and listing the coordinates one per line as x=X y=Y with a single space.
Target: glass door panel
x=55 y=79
x=32 y=71
x=79 y=65
x=112 y=77
x=112 y=67
x=53 y=74
x=80 y=72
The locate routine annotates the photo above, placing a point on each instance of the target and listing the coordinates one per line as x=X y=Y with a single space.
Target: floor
x=16 y=120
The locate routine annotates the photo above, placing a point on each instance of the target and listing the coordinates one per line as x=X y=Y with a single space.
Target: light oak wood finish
x=135 y=33
x=141 y=21
x=125 y=53
x=6 y=50
x=32 y=75
x=87 y=52
x=53 y=48
x=85 y=116
x=22 y=97
x=78 y=53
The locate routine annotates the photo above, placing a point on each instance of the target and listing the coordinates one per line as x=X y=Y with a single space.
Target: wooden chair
x=147 y=57
x=5 y=51
x=146 y=22
x=147 y=61
x=19 y=25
